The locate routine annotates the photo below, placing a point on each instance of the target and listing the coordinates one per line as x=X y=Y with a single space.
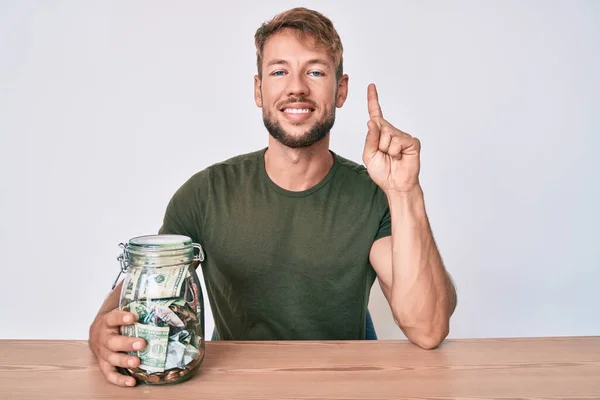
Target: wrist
x=415 y=192
x=407 y=202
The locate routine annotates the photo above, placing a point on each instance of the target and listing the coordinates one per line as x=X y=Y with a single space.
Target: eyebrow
x=310 y=62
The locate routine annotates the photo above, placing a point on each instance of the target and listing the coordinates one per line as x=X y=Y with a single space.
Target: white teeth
x=296 y=110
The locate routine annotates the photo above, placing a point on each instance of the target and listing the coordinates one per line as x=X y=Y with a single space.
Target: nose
x=297 y=85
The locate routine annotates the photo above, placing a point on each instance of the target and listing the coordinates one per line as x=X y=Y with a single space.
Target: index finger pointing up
x=373 y=102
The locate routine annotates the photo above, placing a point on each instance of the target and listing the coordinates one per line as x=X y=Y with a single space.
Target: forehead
x=289 y=45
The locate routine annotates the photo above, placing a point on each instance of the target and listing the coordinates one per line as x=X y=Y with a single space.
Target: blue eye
x=316 y=72
x=276 y=73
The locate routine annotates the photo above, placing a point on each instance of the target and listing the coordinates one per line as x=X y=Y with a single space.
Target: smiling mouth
x=297 y=110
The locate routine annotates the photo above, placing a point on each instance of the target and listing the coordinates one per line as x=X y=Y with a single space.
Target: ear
x=342 y=91
x=257 y=91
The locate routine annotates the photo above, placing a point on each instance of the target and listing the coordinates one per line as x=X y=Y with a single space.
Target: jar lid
x=160 y=250
x=159 y=242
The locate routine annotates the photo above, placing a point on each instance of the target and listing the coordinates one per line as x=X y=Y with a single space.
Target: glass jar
x=161 y=288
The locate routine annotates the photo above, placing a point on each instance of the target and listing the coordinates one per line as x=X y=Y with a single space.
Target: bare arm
x=409 y=266
x=411 y=272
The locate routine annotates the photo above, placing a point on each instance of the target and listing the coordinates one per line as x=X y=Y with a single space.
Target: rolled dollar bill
x=157 y=283
x=141 y=312
x=150 y=312
x=167 y=315
x=182 y=336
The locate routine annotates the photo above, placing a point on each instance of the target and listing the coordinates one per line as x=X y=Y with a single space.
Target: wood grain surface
x=533 y=368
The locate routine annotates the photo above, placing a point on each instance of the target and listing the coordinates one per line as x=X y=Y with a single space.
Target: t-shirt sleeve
x=184 y=214
x=385 y=223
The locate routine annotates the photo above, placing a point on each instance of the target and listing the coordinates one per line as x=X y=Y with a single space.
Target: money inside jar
x=166 y=302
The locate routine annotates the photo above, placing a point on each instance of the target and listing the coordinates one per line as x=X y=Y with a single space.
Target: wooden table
x=548 y=368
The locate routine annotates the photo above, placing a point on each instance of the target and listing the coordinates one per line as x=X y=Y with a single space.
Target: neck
x=298 y=169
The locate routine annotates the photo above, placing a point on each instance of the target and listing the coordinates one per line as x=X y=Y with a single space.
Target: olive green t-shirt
x=283 y=265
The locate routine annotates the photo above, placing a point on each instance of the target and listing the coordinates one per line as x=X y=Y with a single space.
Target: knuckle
x=106 y=368
x=108 y=319
x=105 y=342
x=114 y=342
x=105 y=355
x=118 y=360
x=101 y=353
x=116 y=317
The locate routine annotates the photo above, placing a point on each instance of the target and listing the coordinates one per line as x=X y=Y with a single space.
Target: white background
x=107 y=107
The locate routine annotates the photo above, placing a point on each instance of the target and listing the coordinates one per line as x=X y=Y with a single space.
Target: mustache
x=297 y=100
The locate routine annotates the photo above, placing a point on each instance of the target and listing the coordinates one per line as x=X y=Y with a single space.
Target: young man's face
x=298 y=91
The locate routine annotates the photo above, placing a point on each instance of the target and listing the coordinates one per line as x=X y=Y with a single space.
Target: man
x=295 y=234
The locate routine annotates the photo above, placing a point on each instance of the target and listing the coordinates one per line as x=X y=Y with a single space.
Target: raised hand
x=392 y=157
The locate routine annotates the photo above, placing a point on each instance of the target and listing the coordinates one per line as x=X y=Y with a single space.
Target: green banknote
x=154 y=355
x=150 y=312
x=157 y=283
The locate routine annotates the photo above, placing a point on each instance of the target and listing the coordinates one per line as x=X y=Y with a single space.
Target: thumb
x=371 y=142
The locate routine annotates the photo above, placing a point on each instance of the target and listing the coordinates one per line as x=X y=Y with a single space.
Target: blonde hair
x=306 y=23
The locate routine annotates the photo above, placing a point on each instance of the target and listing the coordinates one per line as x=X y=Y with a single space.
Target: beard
x=313 y=135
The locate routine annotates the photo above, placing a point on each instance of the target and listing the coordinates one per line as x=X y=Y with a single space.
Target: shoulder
x=355 y=178
x=222 y=172
x=242 y=163
x=353 y=171
x=349 y=164
x=231 y=166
